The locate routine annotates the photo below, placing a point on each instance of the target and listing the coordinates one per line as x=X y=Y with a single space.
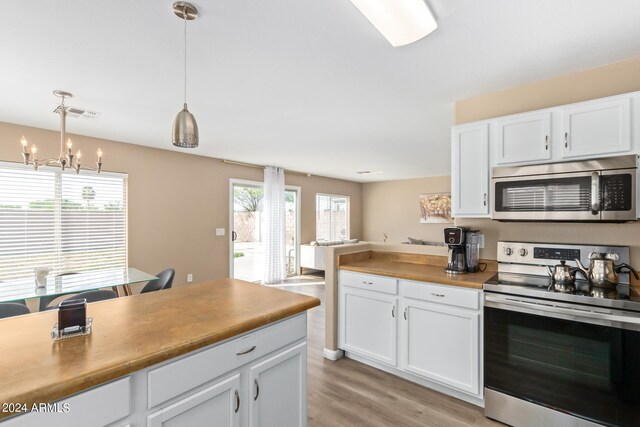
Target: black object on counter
x=72 y=313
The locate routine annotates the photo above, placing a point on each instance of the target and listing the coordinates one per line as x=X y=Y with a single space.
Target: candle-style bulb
x=78 y=155
x=99 y=154
x=34 y=150
x=69 y=144
x=23 y=141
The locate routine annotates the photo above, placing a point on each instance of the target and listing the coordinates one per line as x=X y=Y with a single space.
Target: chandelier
x=66 y=158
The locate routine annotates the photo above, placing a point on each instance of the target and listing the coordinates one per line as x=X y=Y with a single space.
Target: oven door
x=580 y=362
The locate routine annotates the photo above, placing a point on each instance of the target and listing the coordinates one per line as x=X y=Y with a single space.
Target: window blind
x=60 y=220
x=332 y=217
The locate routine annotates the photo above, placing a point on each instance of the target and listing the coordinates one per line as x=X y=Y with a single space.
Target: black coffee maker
x=455 y=238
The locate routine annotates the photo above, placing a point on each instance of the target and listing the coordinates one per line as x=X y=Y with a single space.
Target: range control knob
x=508 y=251
x=523 y=252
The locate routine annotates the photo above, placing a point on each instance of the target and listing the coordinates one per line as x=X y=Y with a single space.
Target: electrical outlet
x=481 y=238
x=220 y=231
x=189 y=278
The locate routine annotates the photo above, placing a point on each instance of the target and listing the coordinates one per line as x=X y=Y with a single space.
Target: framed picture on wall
x=435 y=208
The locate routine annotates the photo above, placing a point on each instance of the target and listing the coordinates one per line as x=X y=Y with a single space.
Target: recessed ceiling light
x=400 y=21
x=368 y=172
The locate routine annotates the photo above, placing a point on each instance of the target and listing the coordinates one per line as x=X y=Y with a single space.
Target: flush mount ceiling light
x=400 y=21
x=185 y=128
x=66 y=158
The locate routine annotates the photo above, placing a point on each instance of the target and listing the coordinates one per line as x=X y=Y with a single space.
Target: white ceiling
x=304 y=84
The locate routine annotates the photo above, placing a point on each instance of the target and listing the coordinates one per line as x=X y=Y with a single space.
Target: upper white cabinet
x=586 y=130
x=470 y=170
x=596 y=128
x=523 y=138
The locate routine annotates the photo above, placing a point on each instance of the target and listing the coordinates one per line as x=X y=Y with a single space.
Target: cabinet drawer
x=369 y=282
x=195 y=369
x=443 y=294
x=99 y=406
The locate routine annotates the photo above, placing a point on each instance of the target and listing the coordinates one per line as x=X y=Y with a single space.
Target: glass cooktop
x=542 y=287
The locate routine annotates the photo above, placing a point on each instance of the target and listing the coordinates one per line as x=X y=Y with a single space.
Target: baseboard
x=333 y=354
x=474 y=400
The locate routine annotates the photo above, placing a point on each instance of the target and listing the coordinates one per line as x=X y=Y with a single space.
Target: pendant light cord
x=184 y=15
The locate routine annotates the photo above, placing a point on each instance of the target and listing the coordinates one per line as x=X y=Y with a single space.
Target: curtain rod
x=251 y=165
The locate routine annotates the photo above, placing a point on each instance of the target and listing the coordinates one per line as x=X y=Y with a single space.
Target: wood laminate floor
x=349 y=393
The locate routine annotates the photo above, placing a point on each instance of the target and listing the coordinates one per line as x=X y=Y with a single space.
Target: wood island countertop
x=418 y=267
x=132 y=333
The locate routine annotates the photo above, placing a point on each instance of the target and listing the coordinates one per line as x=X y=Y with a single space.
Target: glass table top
x=23 y=289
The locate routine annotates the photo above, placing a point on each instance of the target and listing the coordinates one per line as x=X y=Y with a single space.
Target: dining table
x=63 y=284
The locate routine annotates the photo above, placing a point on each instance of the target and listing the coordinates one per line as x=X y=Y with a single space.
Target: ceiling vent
x=369 y=172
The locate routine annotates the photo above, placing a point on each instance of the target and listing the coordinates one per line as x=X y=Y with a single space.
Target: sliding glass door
x=246 y=247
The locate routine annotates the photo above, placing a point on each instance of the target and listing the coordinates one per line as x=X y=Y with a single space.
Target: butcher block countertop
x=130 y=334
x=419 y=267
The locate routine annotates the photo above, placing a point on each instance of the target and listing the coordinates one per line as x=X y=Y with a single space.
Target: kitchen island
x=223 y=350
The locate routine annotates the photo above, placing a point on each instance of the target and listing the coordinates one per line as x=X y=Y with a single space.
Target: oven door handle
x=576 y=314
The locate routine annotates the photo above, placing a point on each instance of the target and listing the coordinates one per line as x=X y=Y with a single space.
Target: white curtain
x=274 y=225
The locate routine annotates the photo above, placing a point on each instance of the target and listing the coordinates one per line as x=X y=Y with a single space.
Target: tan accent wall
x=392 y=207
x=177 y=200
x=608 y=80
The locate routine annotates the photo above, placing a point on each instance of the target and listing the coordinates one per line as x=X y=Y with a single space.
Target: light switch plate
x=220 y=231
x=481 y=236
x=189 y=278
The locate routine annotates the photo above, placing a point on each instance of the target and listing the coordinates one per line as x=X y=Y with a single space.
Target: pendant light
x=185 y=128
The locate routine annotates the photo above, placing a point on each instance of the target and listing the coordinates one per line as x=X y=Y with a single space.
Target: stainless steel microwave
x=590 y=190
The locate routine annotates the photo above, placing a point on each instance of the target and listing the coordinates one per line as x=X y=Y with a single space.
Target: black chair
x=10 y=309
x=47 y=299
x=165 y=281
x=90 y=296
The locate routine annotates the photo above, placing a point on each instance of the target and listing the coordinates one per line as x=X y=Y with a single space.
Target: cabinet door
x=442 y=344
x=368 y=324
x=470 y=171
x=217 y=405
x=278 y=385
x=596 y=128
x=523 y=138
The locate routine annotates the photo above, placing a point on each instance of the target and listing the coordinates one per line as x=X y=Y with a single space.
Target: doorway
x=246 y=248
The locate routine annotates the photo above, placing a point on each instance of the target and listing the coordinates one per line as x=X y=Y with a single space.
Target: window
x=62 y=221
x=332 y=217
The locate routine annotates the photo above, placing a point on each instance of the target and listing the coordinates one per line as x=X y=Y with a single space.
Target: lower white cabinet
x=426 y=332
x=216 y=405
x=278 y=390
x=368 y=324
x=441 y=343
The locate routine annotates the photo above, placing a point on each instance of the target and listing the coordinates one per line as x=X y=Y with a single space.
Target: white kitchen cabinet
x=596 y=128
x=278 y=390
x=368 y=324
x=425 y=332
x=442 y=343
x=523 y=138
x=216 y=405
x=470 y=171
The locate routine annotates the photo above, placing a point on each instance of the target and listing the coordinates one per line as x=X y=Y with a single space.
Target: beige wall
x=613 y=79
x=392 y=207
x=176 y=200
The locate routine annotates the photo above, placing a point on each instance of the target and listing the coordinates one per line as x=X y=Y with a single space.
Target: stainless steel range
x=560 y=356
